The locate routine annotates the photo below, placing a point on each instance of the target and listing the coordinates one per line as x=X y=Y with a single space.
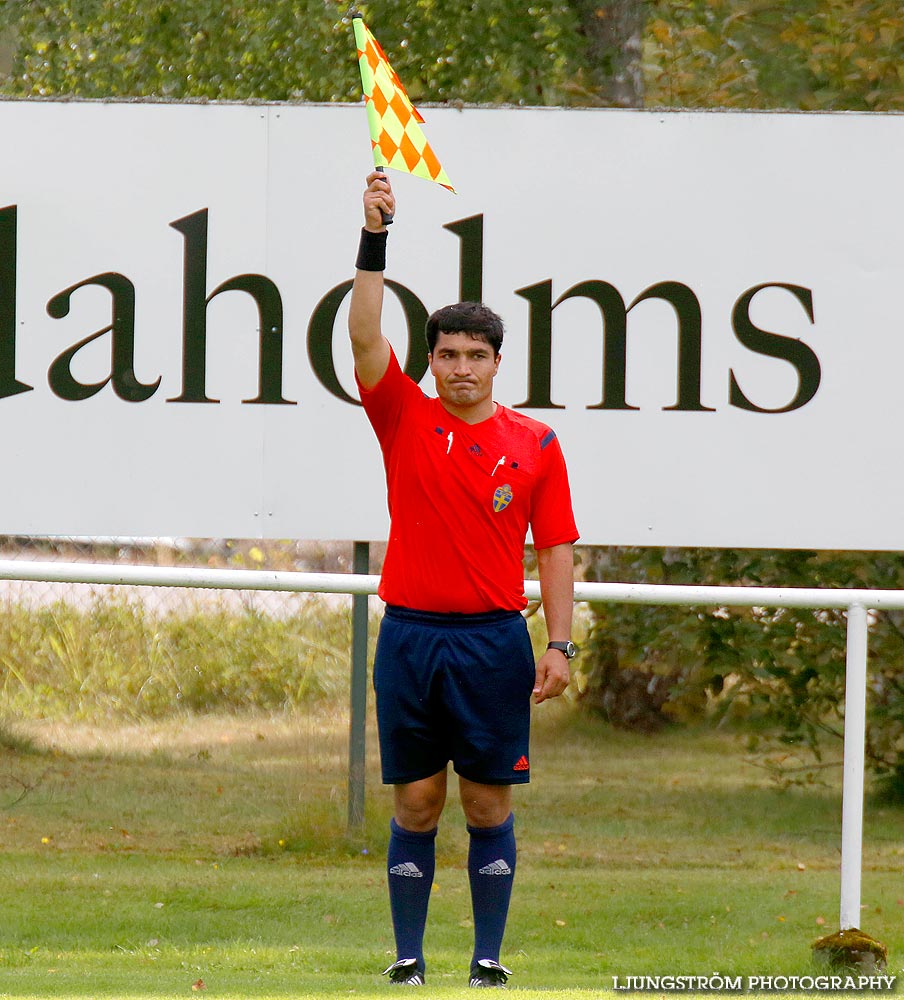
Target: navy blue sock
x=491 y=869
x=411 y=864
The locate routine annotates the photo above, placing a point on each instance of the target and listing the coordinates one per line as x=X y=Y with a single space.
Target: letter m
x=614 y=316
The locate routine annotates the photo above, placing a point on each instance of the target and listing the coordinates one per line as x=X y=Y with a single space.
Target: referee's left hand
x=552 y=677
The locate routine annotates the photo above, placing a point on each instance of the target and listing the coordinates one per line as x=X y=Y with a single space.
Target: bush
x=772 y=669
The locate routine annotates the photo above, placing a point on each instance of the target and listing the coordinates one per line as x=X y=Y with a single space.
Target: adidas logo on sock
x=522 y=765
x=407 y=868
x=499 y=867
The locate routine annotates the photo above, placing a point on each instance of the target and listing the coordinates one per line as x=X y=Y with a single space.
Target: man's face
x=464 y=368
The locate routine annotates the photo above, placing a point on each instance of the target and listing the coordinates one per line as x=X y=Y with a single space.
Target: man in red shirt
x=454 y=670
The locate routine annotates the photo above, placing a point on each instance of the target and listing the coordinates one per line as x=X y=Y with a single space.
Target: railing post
x=358 y=714
x=854 y=762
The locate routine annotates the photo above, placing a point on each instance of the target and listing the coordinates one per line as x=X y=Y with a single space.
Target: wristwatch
x=568 y=648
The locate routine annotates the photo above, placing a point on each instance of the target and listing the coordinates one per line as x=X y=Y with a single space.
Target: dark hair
x=472 y=318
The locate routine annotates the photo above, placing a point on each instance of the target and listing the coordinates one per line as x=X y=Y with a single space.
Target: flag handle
x=387 y=218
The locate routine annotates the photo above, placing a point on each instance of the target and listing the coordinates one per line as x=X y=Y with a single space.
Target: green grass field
x=144 y=861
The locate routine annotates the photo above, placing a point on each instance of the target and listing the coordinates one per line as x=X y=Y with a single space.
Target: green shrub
x=777 y=672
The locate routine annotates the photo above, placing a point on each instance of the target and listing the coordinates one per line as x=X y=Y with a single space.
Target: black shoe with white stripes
x=487 y=973
x=404 y=972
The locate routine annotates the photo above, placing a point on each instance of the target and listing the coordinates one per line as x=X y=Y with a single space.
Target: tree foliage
x=496 y=51
x=810 y=54
x=826 y=55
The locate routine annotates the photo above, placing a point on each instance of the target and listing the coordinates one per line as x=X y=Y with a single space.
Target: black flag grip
x=387 y=217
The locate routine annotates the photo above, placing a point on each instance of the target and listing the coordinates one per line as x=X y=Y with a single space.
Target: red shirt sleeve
x=552 y=519
x=385 y=402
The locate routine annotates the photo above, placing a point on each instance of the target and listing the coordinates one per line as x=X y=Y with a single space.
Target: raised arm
x=370 y=348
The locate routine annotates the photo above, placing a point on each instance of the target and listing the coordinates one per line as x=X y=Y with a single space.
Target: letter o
x=321 y=332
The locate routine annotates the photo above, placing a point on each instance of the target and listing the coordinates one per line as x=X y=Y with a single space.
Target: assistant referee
x=454 y=670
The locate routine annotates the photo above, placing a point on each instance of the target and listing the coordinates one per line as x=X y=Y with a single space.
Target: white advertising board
x=704 y=306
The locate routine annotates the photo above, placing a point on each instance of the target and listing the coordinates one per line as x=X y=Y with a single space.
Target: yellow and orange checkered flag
x=395 y=134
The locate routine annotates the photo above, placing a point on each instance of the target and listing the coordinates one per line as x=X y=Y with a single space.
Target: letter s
x=774 y=345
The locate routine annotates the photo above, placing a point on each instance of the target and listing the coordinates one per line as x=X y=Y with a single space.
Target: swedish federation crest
x=502 y=498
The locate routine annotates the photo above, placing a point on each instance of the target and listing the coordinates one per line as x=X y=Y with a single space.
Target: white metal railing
x=856 y=603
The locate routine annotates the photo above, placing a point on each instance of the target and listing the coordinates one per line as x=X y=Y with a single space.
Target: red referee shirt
x=461 y=497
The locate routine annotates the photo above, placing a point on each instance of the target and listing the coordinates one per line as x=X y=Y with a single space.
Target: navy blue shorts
x=454 y=687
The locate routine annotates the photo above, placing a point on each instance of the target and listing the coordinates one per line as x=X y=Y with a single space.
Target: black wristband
x=372 y=251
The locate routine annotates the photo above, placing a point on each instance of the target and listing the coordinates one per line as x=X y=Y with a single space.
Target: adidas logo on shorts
x=522 y=765
x=408 y=869
x=499 y=867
